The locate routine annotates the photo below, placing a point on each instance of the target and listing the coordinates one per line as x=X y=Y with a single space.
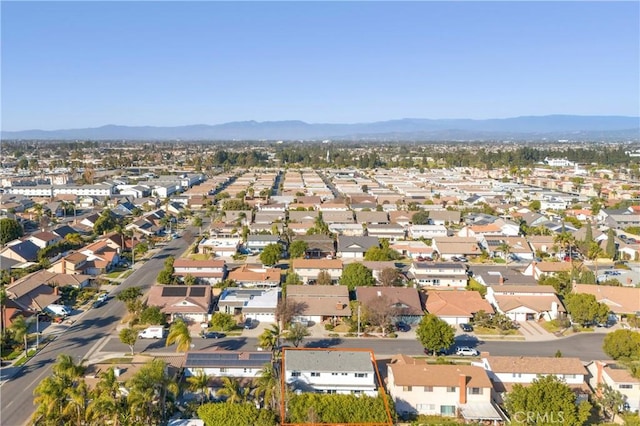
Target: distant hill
x=518 y=128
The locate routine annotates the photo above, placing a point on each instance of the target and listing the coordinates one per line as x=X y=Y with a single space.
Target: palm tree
x=594 y=253
x=66 y=369
x=505 y=248
x=49 y=397
x=20 y=328
x=105 y=403
x=179 y=334
x=267 y=386
x=77 y=399
x=270 y=338
x=200 y=383
x=233 y=391
x=296 y=334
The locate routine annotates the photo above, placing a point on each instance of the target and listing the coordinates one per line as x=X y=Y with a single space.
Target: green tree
x=237 y=414
x=20 y=331
x=609 y=399
x=271 y=254
x=298 y=248
x=585 y=308
x=356 y=274
x=106 y=222
x=547 y=401
x=381 y=254
x=129 y=294
x=324 y=278
x=197 y=222
x=296 y=334
x=199 y=382
x=594 y=252
x=611 y=244
x=270 y=338
x=292 y=279
x=10 y=230
x=152 y=315
x=165 y=277
x=420 y=217
x=128 y=336
x=435 y=334
x=234 y=392
x=267 y=387
x=190 y=280
x=535 y=205
x=622 y=344
x=222 y=322
x=179 y=334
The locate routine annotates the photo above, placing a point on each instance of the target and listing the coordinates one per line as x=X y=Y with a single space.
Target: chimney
x=462 y=385
x=629 y=281
x=117 y=371
x=339 y=306
x=501 y=280
x=379 y=293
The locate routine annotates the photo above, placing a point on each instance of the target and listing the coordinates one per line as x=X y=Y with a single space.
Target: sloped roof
x=456 y=303
x=397 y=296
x=536 y=365
x=408 y=371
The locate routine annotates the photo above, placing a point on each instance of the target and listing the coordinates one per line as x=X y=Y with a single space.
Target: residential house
x=456 y=246
x=74 y=263
x=255 y=276
x=300 y=229
x=539 y=269
x=318 y=246
x=372 y=217
x=303 y=216
x=355 y=247
x=445 y=390
x=479 y=231
x=456 y=307
x=392 y=231
x=189 y=302
x=620 y=300
x=259 y=242
x=101 y=257
x=439 y=274
x=619 y=378
x=506 y=371
x=221 y=363
x=336 y=371
x=401 y=217
x=618 y=218
x=426 y=231
x=403 y=302
x=219 y=246
x=348 y=229
x=518 y=247
x=526 y=303
x=331 y=216
x=44 y=239
x=319 y=303
x=257 y=304
x=308 y=269
x=209 y=271
x=542 y=244
x=21 y=251
x=377 y=267
x=489 y=275
x=413 y=249
x=33 y=293
x=444 y=217
x=268 y=217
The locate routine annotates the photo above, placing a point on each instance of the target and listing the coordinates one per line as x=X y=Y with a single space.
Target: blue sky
x=86 y=64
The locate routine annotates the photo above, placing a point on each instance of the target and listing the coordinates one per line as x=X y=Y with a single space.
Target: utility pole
x=358 y=320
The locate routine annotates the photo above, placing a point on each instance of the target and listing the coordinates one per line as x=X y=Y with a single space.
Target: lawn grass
x=551 y=326
x=494 y=332
x=126 y=274
x=199 y=256
x=114 y=274
x=24 y=359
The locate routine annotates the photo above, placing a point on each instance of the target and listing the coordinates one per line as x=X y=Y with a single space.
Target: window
x=447 y=410
x=224 y=370
x=425 y=407
x=344 y=374
x=295 y=374
x=625 y=386
x=407 y=388
x=569 y=376
x=451 y=389
x=516 y=375
x=476 y=391
x=361 y=374
x=315 y=374
x=428 y=388
x=334 y=374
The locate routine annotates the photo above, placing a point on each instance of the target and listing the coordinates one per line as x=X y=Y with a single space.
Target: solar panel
x=174 y=291
x=197 y=291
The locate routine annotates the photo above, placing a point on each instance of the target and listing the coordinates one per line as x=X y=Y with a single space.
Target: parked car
x=441 y=352
x=155 y=332
x=403 y=326
x=44 y=317
x=467 y=328
x=248 y=323
x=102 y=297
x=211 y=335
x=99 y=303
x=465 y=351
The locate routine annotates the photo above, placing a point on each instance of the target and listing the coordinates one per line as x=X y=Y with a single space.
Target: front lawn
x=494 y=331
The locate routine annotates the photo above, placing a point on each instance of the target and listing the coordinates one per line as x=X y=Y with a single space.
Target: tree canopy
x=435 y=334
x=214 y=414
x=584 y=308
x=356 y=274
x=10 y=230
x=298 y=248
x=622 y=344
x=271 y=254
x=547 y=401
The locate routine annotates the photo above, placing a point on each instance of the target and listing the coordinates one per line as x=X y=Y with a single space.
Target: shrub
x=329 y=327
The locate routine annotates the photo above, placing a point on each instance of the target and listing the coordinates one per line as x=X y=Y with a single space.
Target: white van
x=60 y=310
x=156 y=332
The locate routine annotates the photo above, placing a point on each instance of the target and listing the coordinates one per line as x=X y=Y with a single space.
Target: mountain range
x=571 y=127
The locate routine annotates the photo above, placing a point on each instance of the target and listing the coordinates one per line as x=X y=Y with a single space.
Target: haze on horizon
x=88 y=64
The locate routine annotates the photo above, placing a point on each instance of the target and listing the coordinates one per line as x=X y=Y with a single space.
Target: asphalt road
x=587 y=346
x=78 y=339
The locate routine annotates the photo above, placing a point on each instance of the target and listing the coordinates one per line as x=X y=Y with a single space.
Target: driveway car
x=466 y=328
x=403 y=326
x=464 y=351
x=212 y=335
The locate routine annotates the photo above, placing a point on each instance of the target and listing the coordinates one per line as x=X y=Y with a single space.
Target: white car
x=464 y=351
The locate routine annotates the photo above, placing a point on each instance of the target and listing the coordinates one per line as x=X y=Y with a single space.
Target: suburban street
x=78 y=339
x=587 y=346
